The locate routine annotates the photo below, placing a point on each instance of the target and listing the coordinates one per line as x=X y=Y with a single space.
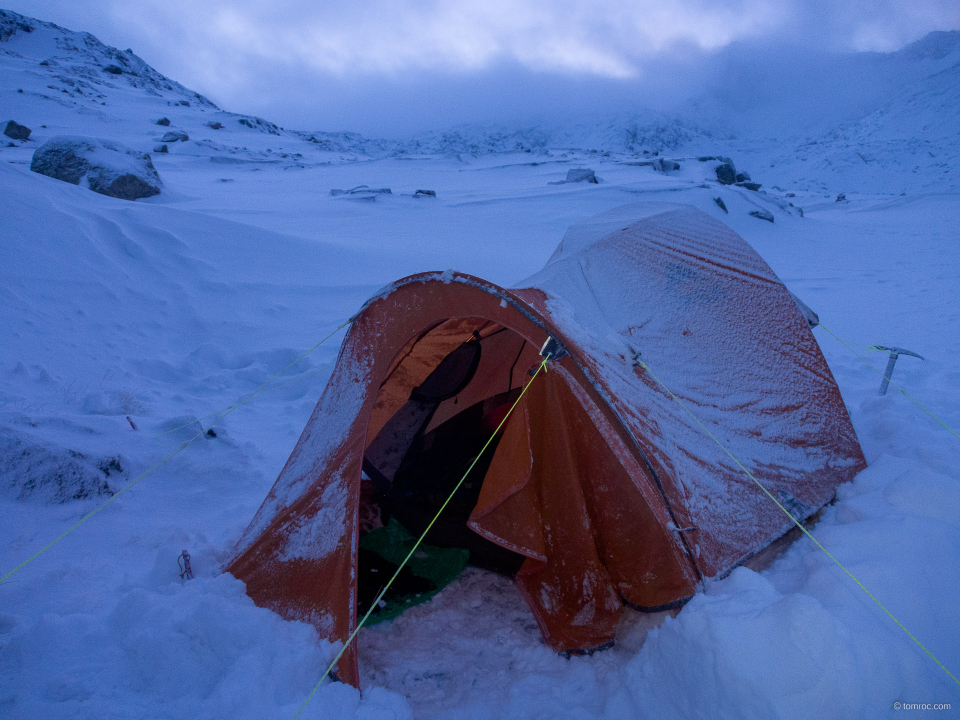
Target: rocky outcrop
x=104 y=166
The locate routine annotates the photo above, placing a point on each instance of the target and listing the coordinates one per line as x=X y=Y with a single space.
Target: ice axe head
x=895 y=352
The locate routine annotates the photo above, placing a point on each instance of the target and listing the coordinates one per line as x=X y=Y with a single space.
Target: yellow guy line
x=907 y=395
x=169 y=456
x=420 y=540
x=795 y=521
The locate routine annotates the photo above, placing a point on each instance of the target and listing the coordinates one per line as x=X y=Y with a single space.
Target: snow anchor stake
x=186 y=572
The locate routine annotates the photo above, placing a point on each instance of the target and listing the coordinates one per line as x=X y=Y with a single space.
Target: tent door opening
x=440 y=419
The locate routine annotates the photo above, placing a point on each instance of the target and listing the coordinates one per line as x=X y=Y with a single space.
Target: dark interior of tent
x=443 y=398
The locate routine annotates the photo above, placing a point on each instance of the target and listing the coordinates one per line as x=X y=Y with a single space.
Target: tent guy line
x=165 y=459
x=416 y=545
x=793 y=519
x=907 y=395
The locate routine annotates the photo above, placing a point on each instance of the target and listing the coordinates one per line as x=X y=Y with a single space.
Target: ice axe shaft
x=895 y=352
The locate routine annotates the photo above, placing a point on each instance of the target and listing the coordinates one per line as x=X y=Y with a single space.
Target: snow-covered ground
x=122 y=323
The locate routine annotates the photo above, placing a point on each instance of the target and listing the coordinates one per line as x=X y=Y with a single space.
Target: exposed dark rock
x=215 y=125
x=10 y=23
x=721 y=204
x=161 y=149
x=841 y=198
x=750 y=185
x=16 y=131
x=174 y=136
x=425 y=193
x=762 y=215
x=163 y=121
x=30 y=471
x=255 y=123
x=104 y=166
x=743 y=177
x=113 y=69
x=726 y=174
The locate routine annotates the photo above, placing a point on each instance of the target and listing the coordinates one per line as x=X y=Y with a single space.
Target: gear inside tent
x=600 y=490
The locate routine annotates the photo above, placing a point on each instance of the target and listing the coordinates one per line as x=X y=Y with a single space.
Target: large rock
x=577 y=175
x=16 y=131
x=104 y=166
x=174 y=136
x=726 y=174
x=762 y=215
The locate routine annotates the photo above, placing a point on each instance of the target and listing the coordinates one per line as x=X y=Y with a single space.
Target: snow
x=171 y=308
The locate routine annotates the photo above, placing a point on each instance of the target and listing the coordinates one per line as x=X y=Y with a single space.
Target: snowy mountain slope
x=911 y=143
x=168 y=309
x=49 y=75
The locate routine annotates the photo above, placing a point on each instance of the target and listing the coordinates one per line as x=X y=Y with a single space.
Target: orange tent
x=600 y=486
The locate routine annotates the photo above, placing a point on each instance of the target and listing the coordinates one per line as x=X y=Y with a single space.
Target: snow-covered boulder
x=105 y=166
x=175 y=136
x=578 y=175
x=662 y=165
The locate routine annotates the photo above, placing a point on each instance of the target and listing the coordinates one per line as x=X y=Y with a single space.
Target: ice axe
x=895 y=352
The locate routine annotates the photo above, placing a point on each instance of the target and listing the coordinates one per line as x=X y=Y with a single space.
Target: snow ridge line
x=907 y=395
x=797 y=522
x=168 y=457
x=416 y=545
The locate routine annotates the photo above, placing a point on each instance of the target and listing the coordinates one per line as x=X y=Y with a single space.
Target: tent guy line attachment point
x=553 y=349
x=895 y=352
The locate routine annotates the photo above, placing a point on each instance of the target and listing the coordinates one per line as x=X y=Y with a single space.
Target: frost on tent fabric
x=599 y=490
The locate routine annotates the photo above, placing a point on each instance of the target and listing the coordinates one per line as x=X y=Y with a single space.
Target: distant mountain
x=626 y=133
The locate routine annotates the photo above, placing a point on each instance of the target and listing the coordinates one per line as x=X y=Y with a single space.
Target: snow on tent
x=600 y=489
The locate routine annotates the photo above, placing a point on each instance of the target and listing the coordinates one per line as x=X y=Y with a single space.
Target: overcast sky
x=391 y=67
